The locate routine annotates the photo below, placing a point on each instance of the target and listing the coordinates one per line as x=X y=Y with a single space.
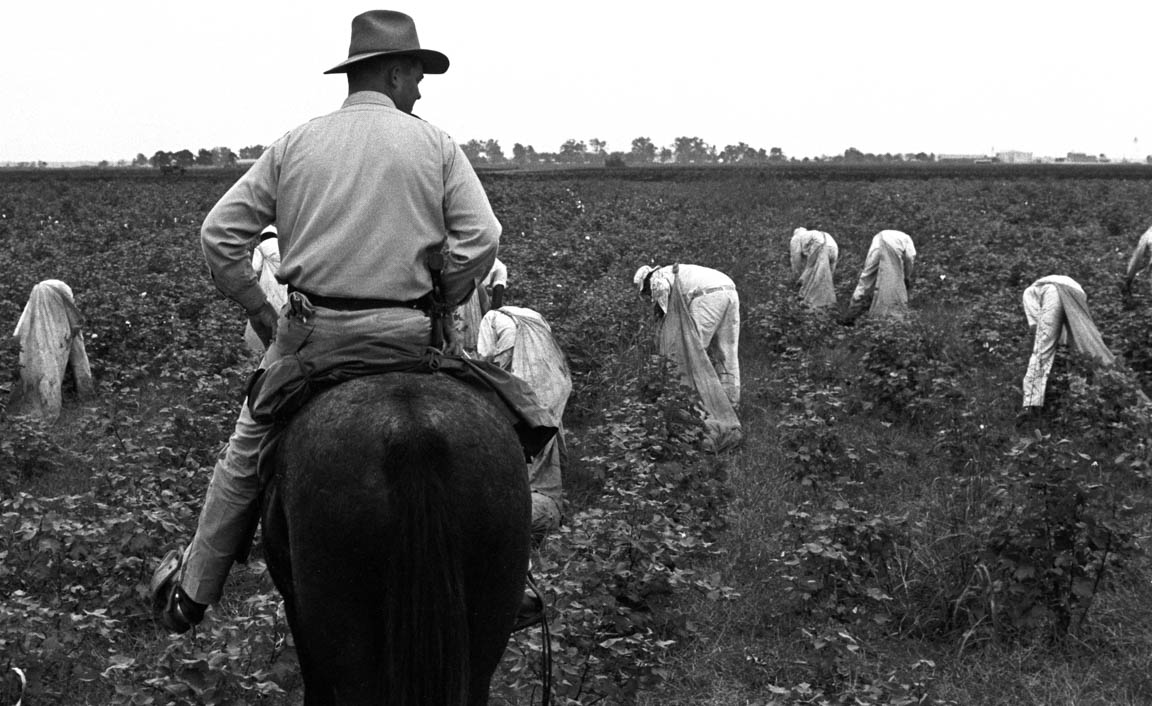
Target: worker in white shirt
x=51 y=341
x=1057 y=310
x=266 y=263
x=1140 y=260
x=714 y=307
x=886 y=277
x=489 y=294
x=813 y=255
x=520 y=341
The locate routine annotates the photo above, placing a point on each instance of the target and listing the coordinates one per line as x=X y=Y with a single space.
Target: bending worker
x=813 y=256
x=1057 y=310
x=714 y=307
x=489 y=294
x=521 y=341
x=1140 y=260
x=266 y=263
x=886 y=277
x=51 y=341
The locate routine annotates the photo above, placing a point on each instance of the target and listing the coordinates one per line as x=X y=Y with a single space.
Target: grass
x=766 y=647
x=931 y=469
x=767 y=644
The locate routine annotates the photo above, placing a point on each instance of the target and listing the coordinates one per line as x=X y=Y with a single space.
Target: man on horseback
x=360 y=197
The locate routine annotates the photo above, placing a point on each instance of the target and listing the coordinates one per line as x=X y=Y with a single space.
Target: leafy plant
x=842 y=561
x=1059 y=533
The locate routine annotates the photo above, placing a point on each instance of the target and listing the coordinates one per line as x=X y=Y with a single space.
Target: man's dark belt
x=356 y=304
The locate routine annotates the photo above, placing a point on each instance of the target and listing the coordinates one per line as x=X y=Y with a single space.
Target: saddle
x=276 y=393
x=279 y=391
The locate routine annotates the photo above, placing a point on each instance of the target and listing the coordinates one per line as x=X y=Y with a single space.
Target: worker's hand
x=263 y=322
x=1126 y=301
x=504 y=359
x=452 y=345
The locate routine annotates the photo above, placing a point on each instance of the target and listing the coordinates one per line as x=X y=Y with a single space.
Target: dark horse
x=396 y=528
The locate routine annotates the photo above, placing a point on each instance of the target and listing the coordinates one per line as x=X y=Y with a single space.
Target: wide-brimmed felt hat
x=380 y=32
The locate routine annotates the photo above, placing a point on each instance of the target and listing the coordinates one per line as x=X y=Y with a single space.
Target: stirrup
x=530 y=612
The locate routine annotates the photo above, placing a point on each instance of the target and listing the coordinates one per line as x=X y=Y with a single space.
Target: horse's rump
x=397 y=528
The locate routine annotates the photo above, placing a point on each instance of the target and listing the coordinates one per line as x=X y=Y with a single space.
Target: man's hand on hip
x=263 y=322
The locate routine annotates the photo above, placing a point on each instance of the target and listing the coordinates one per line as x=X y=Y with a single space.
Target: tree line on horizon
x=215 y=157
x=682 y=150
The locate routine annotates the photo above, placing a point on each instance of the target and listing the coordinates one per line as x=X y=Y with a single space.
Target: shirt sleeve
x=270 y=250
x=472 y=228
x=497 y=275
x=497 y=334
x=909 y=257
x=833 y=252
x=795 y=254
x=235 y=223
x=867 y=281
x=1140 y=255
x=661 y=286
x=1031 y=304
x=486 y=337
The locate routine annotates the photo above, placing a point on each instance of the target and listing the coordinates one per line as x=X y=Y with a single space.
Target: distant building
x=245 y=162
x=1081 y=158
x=962 y=158
x=1014 y=157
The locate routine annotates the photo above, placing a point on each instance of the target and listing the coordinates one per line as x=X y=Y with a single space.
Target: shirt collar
x=368 y=98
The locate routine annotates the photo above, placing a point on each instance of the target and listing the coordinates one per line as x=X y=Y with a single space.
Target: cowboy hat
x=380 y=32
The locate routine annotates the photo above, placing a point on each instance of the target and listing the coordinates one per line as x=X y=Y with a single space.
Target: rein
x=545 y=649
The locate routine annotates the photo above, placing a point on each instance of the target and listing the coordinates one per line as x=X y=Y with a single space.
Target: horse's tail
x=426 y=638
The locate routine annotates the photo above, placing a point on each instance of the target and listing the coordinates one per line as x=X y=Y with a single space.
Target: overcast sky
x=83 y=80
